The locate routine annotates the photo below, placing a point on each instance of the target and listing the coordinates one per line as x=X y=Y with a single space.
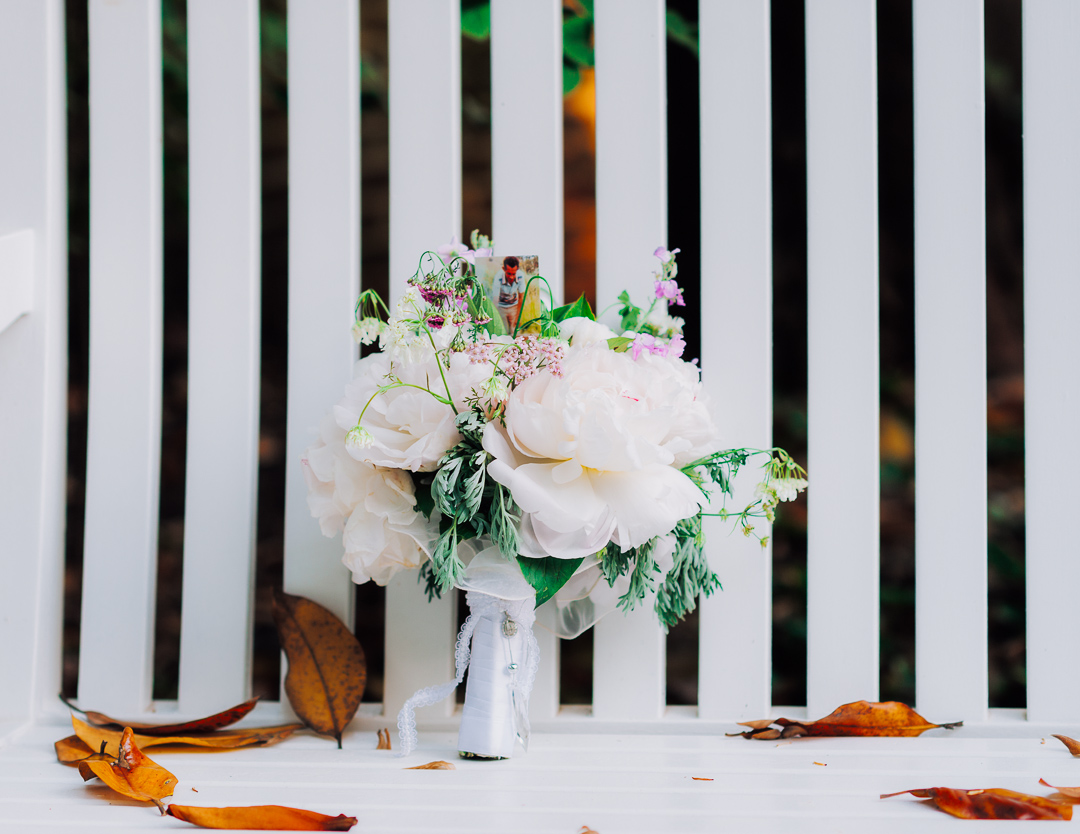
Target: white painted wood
x=950 y=361
x=527 y=185
x=629 y=666
x=544 y=701
x=124 y=422
x=425 y=212
x=223 y=354
x=425 y=131
x=842 y=378
x=631 y=145
x=617 y=782
x=16 y=276
x=324 y=268
x=526 y=142
x=735 y=667
x=631 y=221
x=1051 y=343
x=33 y=353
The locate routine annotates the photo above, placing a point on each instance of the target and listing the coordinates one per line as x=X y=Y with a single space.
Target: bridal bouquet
x=562 y=461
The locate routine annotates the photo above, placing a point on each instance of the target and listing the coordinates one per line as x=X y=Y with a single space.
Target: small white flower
x=358 y=438
x=367 y=330
x=496 y=388
x=788 y=489
x=766 y=491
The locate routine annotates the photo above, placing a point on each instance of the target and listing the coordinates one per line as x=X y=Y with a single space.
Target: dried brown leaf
x=859 y=718
x=1071 y=743
x=327 y=670
x=1072 y=793
x=261 y=817
x=223 y=739
x=991 y=804
x=201 y=725
x=134 y=774
x=384 y=739
x=433 y=766
x=72 y=750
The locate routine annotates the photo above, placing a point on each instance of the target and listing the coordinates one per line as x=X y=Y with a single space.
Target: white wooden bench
x=626 y=763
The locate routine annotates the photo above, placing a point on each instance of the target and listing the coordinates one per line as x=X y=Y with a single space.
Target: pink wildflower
x=435 y=322
x=670 y=290
x=664 y=255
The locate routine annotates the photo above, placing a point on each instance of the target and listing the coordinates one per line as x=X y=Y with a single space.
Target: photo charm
x=529 y=454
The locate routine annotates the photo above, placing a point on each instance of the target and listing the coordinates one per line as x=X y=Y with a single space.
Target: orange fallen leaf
x=327 y=670
x=72 y=750
x=201 y=725
x=1071 y=743
x=261 y=817
x=586 y=830
x=860 y=718
x=223 y=739
x=703 y=778
x=134 y=774
x=433 y=766
x=991 y=804
x=384 y=739
x=821 y=764
x=1072 y=793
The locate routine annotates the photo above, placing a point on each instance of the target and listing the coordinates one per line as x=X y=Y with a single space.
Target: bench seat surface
x=614 y=783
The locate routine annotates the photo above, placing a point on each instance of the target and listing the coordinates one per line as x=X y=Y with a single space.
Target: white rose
x=374 y=508
x=580 y=331
x=408 y=427
x=594 y=455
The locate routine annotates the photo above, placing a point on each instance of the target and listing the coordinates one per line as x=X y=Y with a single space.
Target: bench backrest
x=425 y=201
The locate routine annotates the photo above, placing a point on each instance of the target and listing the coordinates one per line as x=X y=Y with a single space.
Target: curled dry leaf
x=327 y=670
x=223 y=739
x=860 y=718
x=384 y=739
x=1071 y=743
x=261 y=817
x=433 y=766
x=133 y=774
x=991 y=804
x=1072 y=793
x=72 y=750
x=201 y=725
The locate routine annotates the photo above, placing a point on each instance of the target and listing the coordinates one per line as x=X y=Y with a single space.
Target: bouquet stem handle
x=496 y=644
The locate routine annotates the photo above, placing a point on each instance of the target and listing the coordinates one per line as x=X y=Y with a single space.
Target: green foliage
x=504 y=518
x=620 y=344
x=476 y=19
x=547 y=575
x=614 y=562
x=426 y=577
x=579 y=309
x=480 y=306
x=689 y=578
x=682 y=31
x=643 y=576
x=629 y=313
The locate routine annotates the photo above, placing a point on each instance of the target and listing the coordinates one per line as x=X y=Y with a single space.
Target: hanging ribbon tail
x=433 y=694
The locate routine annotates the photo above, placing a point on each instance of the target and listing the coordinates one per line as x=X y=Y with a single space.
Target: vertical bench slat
x=842 y=380
x=526 y=142
x=1051 y=345
x=223 y=354
x=631 y=221
x=33 y=353
x=324 y=268
x=527 y=184
x=734 y=676
x=124 y=423
x=425 y=210
x=950 y=361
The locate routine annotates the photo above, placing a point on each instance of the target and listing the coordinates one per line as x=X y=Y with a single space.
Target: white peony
x=594 y=455
x=580 y=331
x=407 y=428
x=375 y=509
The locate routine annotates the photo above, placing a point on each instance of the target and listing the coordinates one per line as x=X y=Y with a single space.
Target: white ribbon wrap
x=502 y=668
